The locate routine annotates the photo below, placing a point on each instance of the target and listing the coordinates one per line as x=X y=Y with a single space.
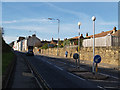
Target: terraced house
x=103 y=39
x=22 y=43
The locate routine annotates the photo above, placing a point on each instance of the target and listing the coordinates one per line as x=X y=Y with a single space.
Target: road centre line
x=75 y=66
x=58 y=67
x=101 y=87
x=75 y=76
x=53 y=65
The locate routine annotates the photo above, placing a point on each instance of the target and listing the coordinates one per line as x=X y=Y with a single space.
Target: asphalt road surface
x=54 y=72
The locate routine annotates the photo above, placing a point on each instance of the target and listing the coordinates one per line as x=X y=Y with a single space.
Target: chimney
x=58 y=39
x=86 y=34
x=81 y=35
x=34 y=35
x=52 y=38
x=114 y=30
x=65 y=39
x=29 y=36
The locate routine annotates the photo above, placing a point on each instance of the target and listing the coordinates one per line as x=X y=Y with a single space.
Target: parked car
x=30 y=51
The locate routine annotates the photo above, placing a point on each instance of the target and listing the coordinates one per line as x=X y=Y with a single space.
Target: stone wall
x=109 y=55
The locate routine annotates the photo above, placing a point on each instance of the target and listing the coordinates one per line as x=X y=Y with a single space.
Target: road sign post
x=96 y=68
x=76 y=57
x=97 y=59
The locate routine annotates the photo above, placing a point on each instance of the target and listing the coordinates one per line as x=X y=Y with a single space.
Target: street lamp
x=93 y=19
x=58 y=31
x=79 y=23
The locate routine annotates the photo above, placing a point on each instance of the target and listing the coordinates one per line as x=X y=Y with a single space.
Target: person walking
x=66 y=53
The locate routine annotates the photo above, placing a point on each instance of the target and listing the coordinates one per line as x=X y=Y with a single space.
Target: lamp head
x=93 y=18
x=79 y=23
x=50 y=18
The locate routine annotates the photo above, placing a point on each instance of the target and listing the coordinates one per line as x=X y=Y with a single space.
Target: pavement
x=22 y=77
x=88 y=62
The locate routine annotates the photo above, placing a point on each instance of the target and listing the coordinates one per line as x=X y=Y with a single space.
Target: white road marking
x=110 y=76
x=48 y=62
x=72 y=65
x=105 y=81
x=101 y=87
x=58 y=67
x=62 y=62
x=76 y=76
x=75 y=66
x=110 y=87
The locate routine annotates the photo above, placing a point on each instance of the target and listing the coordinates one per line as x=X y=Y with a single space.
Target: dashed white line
x=72 y=65
x=75 y=66
x=111 y=87
x=101 y=87
x=48 y=62
x=76 y=76
x=58 y=67
x=62 y=62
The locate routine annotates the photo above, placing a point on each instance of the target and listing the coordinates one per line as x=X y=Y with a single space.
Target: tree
x=66 y=42
x=60 y=44
x=45 y=46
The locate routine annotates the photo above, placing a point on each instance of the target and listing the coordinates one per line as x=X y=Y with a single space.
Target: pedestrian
x=39 y=50
x=66 y=53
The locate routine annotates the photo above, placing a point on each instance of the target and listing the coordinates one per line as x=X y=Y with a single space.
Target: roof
x=77 y=37
x=102 y=34
x=117 y=33
x=45 y=41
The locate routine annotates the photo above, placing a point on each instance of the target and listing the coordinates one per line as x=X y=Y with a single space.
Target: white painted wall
x=102 y=41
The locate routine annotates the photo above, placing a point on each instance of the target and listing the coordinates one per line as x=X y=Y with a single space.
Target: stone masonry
x=109 y=55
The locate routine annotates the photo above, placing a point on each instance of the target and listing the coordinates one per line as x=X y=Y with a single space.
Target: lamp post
x=58 y=32
x=93 y=19
x=79 y=23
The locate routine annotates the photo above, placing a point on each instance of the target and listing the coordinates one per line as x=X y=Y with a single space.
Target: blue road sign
x=97 y=59
x=76 y=56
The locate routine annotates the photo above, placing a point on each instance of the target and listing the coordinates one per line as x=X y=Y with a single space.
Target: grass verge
x=7 y=58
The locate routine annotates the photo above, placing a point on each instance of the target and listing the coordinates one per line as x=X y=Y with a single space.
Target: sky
x=27 y=18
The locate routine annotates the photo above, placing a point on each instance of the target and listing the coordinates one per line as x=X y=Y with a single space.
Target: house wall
x=31 y=41
x=102 y=41
x=109 y=55
x=15 y=45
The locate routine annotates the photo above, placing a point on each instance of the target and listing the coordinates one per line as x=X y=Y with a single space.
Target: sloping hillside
x=5 y=47
x=7 y=56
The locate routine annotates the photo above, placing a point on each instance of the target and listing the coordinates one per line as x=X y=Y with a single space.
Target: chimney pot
x=86 y=34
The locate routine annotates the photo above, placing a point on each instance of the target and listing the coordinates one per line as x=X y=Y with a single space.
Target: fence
x=108 y=40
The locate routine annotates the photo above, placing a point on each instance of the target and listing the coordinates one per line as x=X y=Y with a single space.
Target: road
x=54 y=72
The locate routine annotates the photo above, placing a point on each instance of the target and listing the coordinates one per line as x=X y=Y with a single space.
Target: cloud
x=8 y=22
x=78 y=14
x=108 y=23
x=40 y=20
x=37 y=28
x=60 y=0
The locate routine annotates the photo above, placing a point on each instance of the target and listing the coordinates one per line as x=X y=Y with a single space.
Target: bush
x=45 y=46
